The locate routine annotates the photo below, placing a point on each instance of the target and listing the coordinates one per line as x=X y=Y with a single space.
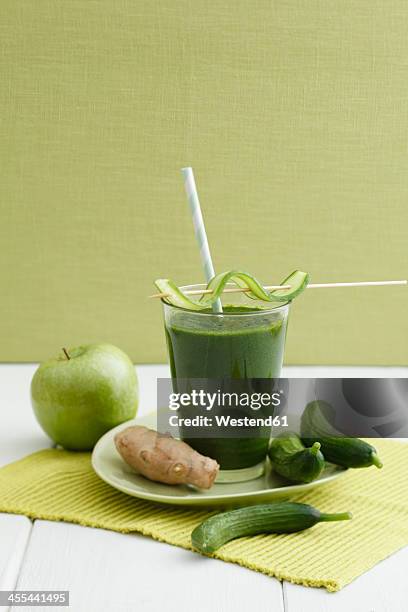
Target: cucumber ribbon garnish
x=297 y=280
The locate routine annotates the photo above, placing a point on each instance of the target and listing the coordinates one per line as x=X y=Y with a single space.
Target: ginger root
x=164 y=459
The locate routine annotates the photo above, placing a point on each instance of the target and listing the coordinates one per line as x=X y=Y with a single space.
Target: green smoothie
x=242 y=343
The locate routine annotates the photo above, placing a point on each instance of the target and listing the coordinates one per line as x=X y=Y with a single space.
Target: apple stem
x=66 y=353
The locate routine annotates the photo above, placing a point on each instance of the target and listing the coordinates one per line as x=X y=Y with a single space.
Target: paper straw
x=199 y=229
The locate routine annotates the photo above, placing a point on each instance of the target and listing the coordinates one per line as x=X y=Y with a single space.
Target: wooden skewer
x=311 y=286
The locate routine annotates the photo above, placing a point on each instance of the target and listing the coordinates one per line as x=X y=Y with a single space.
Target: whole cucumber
x=282 y=517
x=336 y=448
x=292 y=460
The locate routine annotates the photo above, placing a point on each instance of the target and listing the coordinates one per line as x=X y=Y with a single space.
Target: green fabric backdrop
x=294 y=116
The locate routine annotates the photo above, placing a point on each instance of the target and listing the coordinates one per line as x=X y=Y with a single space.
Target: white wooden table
x=112 y=572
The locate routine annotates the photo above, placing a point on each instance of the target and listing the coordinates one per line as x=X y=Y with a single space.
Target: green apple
x=83 y=393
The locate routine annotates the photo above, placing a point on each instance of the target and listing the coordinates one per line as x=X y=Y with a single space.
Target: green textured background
x=294 y=115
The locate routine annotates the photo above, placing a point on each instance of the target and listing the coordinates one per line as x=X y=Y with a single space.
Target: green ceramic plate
x=109 y=466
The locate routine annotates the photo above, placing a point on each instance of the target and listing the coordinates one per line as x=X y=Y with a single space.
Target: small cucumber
x=292 y=460
x=337 y=448
x=283 y=517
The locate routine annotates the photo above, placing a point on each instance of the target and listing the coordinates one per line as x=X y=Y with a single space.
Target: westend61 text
x=228 y=421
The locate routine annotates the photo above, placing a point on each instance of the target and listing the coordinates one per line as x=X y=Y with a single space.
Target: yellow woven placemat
x=61 y=486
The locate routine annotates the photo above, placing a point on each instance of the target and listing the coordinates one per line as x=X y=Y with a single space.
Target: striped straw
x=199 y=228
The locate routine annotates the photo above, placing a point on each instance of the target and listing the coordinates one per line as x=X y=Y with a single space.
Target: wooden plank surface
x=14 y=536
x=104 y=570
x=383 y=589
